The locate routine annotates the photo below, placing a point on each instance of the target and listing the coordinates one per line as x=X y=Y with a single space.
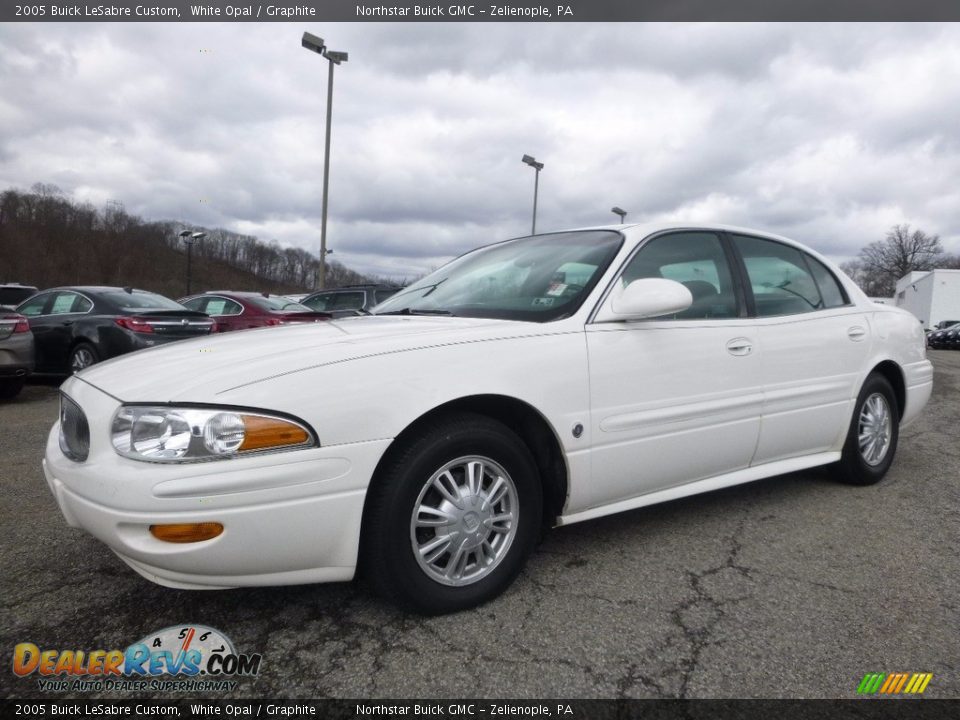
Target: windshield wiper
x=410 y=311
x=428 y=288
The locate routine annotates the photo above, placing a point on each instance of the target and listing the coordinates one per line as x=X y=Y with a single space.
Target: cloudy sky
x=826 y=133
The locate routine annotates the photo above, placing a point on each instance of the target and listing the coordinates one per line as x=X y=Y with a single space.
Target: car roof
x=96 y=289
x=649 y=228
x=240 y=293
x=370 y=286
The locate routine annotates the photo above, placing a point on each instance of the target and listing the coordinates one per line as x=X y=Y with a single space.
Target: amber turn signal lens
x=264 y=432
x=186 y=532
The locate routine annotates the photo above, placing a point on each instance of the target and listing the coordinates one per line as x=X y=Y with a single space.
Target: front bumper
x=918 y=378
x=288 y=518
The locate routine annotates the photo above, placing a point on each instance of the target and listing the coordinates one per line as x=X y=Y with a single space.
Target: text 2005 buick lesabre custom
x=543 y=380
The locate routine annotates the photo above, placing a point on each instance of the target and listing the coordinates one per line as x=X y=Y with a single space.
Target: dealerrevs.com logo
x=189 y=658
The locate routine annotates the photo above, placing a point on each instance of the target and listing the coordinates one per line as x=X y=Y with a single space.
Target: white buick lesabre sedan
x=543 y=380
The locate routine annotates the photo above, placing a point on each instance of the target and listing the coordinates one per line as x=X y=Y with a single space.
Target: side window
x=222 y=306
x=81 y=304
x=194 y=303
x=830 y=288
x=695 y=259
x=382 y=295
x=781 y=282
x=320 y=302
x=65 y=302
x=347 y=301
x=34 y=306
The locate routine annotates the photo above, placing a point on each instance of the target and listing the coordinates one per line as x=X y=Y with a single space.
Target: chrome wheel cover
x=82 y=358
x=464 y=521
x=875 y=429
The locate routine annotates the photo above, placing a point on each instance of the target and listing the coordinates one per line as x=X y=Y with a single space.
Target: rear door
x=815 y=346
x=54 y=327
x=35 y=310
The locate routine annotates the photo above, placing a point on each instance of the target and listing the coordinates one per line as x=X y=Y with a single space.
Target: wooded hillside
x=47 y=239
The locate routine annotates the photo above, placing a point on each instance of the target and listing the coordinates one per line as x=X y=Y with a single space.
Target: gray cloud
x=827 y=133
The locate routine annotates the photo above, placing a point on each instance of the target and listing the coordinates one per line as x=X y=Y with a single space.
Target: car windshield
x=140 y=300
x=278 y=303
x=538 y=278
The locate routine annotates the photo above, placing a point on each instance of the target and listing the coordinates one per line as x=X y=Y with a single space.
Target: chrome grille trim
x=74 y=430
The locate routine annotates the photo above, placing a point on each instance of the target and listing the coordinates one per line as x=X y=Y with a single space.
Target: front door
x=673 y=399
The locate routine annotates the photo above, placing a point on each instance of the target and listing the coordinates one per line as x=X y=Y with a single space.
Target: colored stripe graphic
x=870 y=683
x=894 y=683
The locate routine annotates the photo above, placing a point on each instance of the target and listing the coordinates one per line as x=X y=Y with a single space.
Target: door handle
x=740 y=347
x=857 y=333
x=67 y=323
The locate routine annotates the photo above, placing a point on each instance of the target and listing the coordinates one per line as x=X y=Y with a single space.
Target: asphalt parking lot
x=790 y=587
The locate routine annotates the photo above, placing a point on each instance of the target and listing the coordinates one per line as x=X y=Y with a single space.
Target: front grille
x=74 y=431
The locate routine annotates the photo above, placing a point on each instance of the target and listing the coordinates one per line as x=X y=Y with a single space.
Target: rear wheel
x=83 y=356
x=872 y=438
x=453 y=515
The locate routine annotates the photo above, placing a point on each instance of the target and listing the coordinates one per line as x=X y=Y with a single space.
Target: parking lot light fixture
x=314 y=43
x=619 y=211
x=334 y=57
x=537 y=166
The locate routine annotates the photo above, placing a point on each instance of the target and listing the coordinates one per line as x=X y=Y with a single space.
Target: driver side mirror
x=645 y=298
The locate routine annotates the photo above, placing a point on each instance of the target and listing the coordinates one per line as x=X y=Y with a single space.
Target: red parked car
x=243 y=310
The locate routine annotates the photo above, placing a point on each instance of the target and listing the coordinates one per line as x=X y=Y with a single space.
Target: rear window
x=277 y=302
x=140 y=300
x=830 y=289
x=16 y=295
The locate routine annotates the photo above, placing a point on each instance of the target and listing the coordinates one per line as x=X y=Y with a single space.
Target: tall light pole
x=619 y=211
x=184 y=235
x=317 y=45
x=190 y=238
x=537 y=166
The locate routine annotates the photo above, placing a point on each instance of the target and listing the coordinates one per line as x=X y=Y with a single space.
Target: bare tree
x=868 y=281
x=880 y=264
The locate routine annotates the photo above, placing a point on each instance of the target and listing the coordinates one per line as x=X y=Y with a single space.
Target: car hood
x=199 y=370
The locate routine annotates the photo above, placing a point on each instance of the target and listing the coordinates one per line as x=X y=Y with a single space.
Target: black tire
x=79 y=355
x=10 y=387
x=853 y=467
x=389 y=561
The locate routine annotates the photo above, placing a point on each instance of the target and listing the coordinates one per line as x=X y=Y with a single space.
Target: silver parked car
x=16 y=353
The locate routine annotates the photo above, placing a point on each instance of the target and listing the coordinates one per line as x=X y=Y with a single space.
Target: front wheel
x=872 y=438
x=452 y=516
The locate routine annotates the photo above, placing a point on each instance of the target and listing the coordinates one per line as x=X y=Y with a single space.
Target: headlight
x=184 y=434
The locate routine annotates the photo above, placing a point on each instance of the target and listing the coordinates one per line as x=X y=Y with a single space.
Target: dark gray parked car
x=78 y=326
x=16 y=353
x=12 y=294
x=350 y=299
x=941 y=337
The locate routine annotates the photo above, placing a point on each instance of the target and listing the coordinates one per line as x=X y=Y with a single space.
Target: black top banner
x=475 y=11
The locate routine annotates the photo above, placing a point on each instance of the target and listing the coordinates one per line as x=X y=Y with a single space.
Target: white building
x=931 y=295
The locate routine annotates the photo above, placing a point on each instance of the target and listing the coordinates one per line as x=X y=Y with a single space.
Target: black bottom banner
x=866 y=709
